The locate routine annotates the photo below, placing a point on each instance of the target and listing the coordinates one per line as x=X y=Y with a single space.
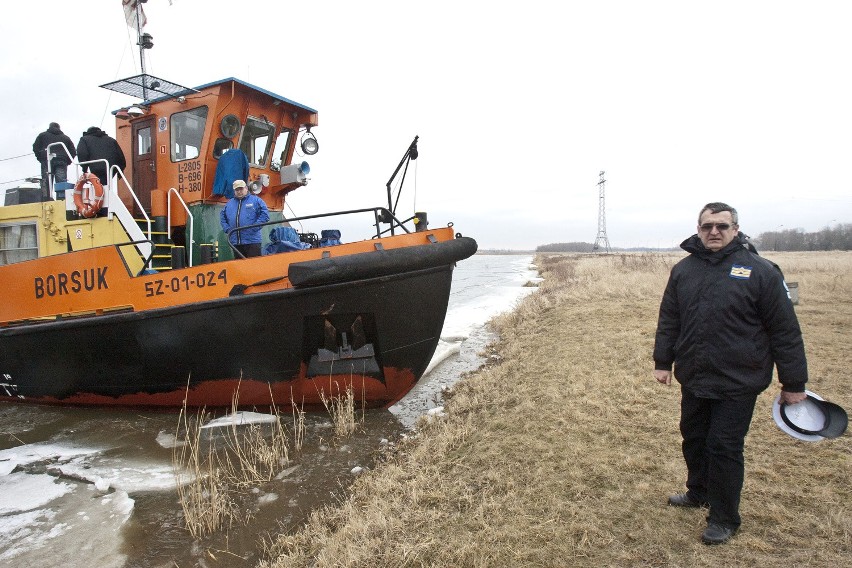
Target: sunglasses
x=708 y=227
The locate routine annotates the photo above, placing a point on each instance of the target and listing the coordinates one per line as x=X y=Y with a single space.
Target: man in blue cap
x=240 y=211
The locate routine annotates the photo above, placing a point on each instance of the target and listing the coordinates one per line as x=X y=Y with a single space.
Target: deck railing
x=381 y=215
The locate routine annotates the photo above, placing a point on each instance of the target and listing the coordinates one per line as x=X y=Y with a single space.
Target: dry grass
x=207 y=504
x=564 y=452
x=341 y=409
x=216 y=469
x=298 y=428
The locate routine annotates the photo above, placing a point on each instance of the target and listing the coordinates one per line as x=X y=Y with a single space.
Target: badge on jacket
x=740 y=272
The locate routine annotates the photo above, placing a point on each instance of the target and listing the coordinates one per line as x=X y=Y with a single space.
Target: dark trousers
x=249 y=250
x=60 y=173
x=714 y=434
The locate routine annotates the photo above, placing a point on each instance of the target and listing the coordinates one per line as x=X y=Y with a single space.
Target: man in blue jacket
x=242 y=210
x=726 y=319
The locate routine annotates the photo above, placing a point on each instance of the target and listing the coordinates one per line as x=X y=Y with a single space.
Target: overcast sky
x=518 y=106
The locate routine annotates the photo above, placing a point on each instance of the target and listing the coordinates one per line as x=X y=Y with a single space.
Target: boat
x=132 y=295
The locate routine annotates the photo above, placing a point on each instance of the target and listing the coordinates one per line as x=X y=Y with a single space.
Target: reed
x=254 y=453
x=207 y=504
x=341 y=408
x=215 y=470
x=298 y=413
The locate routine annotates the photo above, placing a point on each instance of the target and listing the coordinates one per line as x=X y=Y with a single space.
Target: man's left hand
x=664 y=377
x=792 y=397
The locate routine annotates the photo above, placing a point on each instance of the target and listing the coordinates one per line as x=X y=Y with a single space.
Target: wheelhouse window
x=256 y=140
x=18 y=242
x=282 y=146
x=187 y=133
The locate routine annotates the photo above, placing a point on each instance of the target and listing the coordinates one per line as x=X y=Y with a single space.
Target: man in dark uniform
x=61 y=160
x=98 y=145
x=726 y=319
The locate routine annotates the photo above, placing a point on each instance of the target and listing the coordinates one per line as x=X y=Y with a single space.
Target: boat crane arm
x=410 y=154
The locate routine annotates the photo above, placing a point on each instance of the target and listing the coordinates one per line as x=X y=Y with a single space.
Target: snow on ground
x=58 y=498
x=46 y=521
x=22 y=492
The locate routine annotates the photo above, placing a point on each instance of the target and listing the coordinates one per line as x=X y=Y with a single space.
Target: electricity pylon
x=601 y=241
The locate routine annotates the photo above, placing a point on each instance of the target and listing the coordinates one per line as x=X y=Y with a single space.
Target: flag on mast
x=131 y=15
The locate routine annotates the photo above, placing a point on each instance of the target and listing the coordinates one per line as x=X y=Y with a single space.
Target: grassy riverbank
x=562 y=453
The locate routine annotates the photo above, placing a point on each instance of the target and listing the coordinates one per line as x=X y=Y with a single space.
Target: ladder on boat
x=167 y=255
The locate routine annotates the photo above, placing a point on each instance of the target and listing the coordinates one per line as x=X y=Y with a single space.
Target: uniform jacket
x=725 y=319
x=249 y=210
x=98 y=145
x=50 y=136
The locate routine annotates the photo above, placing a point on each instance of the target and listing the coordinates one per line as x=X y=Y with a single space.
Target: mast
x=144 y=41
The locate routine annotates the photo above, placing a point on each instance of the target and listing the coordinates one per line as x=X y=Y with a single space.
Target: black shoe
x=686 y=500
x=717 y=534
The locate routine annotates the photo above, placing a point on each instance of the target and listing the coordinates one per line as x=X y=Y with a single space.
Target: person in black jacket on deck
x=98 y=145
x=61 y=159
x=725 y=320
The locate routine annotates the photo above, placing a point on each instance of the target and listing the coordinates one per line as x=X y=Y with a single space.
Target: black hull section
x=379 y=263
x=385 y=328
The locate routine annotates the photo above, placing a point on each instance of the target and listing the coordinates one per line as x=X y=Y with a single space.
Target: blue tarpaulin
x=284 y=239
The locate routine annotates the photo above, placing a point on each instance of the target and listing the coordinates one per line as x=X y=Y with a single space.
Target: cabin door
x=144 y=164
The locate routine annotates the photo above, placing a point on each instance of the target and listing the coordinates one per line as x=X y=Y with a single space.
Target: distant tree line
x=590 y=247
x=566 y=247
x=838 y=237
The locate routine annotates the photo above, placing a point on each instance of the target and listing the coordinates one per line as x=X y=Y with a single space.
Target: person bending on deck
x=242 y=210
